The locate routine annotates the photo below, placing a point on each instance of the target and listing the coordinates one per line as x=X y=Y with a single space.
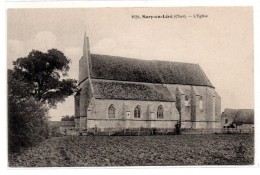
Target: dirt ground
x=170 y=150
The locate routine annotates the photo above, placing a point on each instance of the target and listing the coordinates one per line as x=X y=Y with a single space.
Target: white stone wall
x=210 y=114
x=124 y=114
x=94 y=112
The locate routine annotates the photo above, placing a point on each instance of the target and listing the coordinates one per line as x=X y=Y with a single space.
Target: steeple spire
x=85 y=61
x=85 y=45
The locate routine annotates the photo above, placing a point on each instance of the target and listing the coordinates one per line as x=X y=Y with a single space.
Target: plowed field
x=168 y=150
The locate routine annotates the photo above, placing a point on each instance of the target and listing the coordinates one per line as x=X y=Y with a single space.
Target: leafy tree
x=44 y=74
x=67 y=118
x=27 y=118
x=17 y=88
x=35 y=84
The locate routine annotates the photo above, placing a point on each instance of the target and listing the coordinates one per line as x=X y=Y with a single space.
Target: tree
x=27 y=118
x=178 y=104
x=44 y=74
x=67 y=118
x=35 y=84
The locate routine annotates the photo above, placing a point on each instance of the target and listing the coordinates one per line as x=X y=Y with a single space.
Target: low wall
x=119 y=123
x=68 y=130
x=139 y=123
x=161 y=131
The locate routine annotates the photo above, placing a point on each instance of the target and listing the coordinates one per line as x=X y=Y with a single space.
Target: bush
x=27 y=117
x=177 y=129
x=55 y=131
x=27 y=123
x=67 y=118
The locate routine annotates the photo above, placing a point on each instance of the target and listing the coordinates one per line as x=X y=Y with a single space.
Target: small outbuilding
x=238 y=118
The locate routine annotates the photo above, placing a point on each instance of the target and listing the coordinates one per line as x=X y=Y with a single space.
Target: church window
x=160 y=112
x=137 y=112
x=187 y=100
x=111 y=111
x=226 y=120
x=201 y=103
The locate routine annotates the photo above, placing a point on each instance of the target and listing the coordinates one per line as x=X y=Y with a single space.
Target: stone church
x=119 y=92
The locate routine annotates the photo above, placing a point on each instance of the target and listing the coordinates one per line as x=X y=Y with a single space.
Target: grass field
x=168 y=150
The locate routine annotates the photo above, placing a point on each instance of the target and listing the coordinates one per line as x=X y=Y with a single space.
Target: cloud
x=42 y=41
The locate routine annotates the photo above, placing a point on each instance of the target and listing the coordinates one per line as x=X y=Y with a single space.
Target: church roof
x=245 y=116
x=149 y=71
x=130 y=91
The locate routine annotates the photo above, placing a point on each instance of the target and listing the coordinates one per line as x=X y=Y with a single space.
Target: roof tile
x=136 y=70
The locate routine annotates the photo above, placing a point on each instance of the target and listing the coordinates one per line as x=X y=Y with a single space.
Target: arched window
x=201 y=103
x=160 y=112
x=111 y=111
x=137 y=112
x=226 y=120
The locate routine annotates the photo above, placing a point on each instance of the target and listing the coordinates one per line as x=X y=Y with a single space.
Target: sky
x=221 y=43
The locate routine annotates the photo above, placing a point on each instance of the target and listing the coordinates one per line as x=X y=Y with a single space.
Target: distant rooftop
x=245 y=116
